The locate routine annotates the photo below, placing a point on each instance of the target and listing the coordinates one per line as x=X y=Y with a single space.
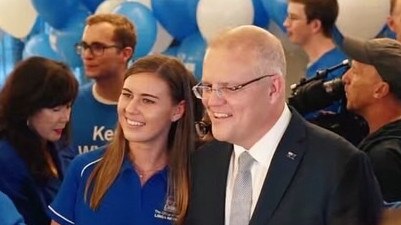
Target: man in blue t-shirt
x=309 y=24
x=107 y=44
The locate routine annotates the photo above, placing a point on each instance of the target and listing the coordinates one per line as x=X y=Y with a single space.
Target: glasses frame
x=197 y=89
x=82 y=46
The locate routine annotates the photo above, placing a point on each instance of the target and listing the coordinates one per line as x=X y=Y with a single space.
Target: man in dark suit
x=300 y=174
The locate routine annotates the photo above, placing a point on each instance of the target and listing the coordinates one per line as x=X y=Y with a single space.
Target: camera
x=316 y=93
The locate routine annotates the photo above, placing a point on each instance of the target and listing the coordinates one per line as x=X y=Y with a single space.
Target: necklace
x=145 y=174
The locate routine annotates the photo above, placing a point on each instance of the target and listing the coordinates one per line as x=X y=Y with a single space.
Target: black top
x=384 y=150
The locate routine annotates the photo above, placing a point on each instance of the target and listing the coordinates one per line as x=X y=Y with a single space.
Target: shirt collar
x=263 y=150
x=127 y=166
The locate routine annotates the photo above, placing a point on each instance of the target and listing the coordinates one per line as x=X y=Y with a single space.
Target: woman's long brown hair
x=181 y=137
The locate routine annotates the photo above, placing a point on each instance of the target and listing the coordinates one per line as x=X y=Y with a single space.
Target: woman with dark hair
x=141 y=177
x=35 y=106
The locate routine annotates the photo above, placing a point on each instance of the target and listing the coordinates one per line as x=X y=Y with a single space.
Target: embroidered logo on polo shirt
x=168 y=212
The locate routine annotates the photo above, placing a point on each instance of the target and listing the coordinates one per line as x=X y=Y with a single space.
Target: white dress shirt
x=262 y=151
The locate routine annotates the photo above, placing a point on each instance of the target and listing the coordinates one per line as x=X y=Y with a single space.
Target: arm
x=62 y=209
x=386 y=162
x=8 y=213
x=356 y=199
x=54 y=223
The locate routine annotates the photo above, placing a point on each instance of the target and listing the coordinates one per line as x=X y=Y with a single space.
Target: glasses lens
x=197 y=91
x=79 y=48
x=97 y=49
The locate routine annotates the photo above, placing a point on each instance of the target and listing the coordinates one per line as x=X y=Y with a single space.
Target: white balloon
x=163 y=40
x=215 y=16
x=363 y=19
x=107 y=6
x=146 y=3
x=13 y=20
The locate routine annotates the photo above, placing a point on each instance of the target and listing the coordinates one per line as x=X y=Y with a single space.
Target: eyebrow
x=95 y=42
x=143 y=94
x=218 y=83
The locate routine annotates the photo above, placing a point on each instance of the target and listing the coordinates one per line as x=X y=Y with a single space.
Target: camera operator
x=316 y=93
x=373 y=91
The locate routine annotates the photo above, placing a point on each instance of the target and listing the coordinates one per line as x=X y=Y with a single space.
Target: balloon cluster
x=180 y=28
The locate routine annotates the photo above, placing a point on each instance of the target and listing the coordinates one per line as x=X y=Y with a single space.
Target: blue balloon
x=66 y=38
x=38 y=27
x=145 y=25
x=91 y=4
x=55 y=13
x=171 y=51
x=191 y=51
x=39 y=45
x=177 y=16
x=277 y=11
x=261 y=17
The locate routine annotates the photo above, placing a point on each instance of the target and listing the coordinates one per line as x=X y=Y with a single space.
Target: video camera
x=316 y=93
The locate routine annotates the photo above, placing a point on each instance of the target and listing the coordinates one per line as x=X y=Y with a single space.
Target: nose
x=86 y=53
x=66 y=114
x=286 y=22
x=132 y=106
x=345 y=78
x=215 y=98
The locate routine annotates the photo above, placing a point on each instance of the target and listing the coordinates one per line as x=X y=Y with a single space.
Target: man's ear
x=127 y=53
x=381 y=89
x=316 y=25
x=277 y=87
x=179 y=111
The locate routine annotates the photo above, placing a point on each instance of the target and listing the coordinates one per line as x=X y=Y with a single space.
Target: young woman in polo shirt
x=141 y=177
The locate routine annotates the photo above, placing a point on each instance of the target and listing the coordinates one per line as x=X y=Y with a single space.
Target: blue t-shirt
x=125 y=203
x=92 y=122
x=8 y=213
x=331 y=58
x=30 y=197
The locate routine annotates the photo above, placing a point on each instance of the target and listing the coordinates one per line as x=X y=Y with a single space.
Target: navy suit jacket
x=315 y=178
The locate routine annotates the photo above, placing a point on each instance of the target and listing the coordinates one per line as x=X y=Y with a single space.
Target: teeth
x=135 y=123
x=221 y=115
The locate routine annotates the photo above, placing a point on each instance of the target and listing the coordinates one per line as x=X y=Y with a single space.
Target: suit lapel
x=217 y=169
x=282 y=168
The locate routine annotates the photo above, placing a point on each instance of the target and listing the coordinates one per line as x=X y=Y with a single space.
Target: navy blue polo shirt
x=125 y=203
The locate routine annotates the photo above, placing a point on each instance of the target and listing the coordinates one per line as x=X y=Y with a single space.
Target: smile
x=135 y=123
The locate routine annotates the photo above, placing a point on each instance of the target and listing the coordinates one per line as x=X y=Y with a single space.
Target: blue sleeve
x=62 y=209
x=8 y=213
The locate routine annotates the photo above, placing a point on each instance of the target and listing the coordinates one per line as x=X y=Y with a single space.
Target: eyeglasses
x=292 y=17
x=96 y=49
x=203 y=91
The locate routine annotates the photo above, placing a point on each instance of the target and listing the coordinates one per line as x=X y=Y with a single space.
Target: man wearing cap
x=373 y=90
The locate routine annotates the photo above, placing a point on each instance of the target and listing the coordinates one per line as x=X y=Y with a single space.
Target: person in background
x=394 y=19
x=141 y=177
x=35 y=107
x=373 y=90
x=268 y=165
x=309 y=24
x=108 y=43
x=9 y=215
